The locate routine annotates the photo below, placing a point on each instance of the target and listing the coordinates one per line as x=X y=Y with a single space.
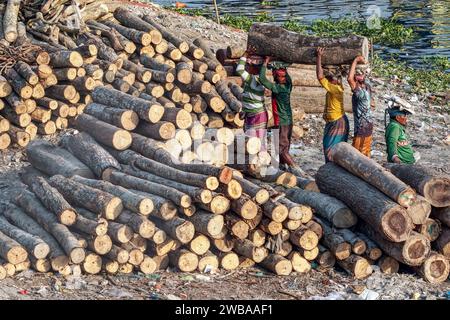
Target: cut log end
x=146 y=207
x=299 y=263
x=121 y=140
x=212 y=183
x=388 y=265
x=435 y=269
x=397 y=224
x=68 y=217
x=77 y=255
x=113 y=208
x=437 y=191
x=41 y=251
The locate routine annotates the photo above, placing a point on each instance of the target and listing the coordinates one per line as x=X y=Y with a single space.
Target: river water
x=430 y=18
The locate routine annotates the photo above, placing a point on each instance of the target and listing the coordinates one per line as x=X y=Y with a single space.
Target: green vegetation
x=295 y=26
x=243 y=22
x=188 y=11
x=432 y=79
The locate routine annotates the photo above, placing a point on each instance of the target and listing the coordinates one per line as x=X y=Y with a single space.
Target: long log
x=436 y=189
x=163 y=208
x=131 y=182
x=16 y=243
x=54 y=160
x=146 y=110
x=442 y=214
x=335 y=242
x=93 y=155
x=268 y=39
x=131 y=201
x=129 y=19
x=103 y=132
x=178 y=228
x=50 y=197
x=367 y=202
x=87 y=197
x=59 y=261
x=443 y=242
x=50 y=223
x=197 y=194
x=141 y=225
x=370 y=171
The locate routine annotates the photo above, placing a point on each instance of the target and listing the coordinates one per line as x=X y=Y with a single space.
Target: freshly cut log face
x=435 y=188
x=277 y=264
x=419 y=211
x=435 y=269
x=367 y=202
x=299 y=263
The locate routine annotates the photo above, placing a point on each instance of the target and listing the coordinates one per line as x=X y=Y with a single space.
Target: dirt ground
x=429 y=131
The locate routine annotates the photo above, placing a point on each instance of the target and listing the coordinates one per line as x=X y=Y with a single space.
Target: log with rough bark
x=163 y=208
x=368 y=203
x=119 y=232
x=53 y=160
x=165 y=171
x=103 y=132
x=268 y=39
x=358 y=244
x=277 y=264
x=131 y=20
x=50 y=197
x=10 y=19
x=146 y=110
x=95 y=200
x=97 y=227
x=275 y=211
x=207 y=223
x=435 y=188
x=131 y=182
x=325 y=258
x=370 y=171
x=118 y=254
x=178 y=228
x=334 y=242
x=412 y=252
x=131 y=201
x=18 y=136
x=19 y=84
x=15 y=243
x=442 y=214
x=246 y=248
x=59 y=261
x=93 y=155
x=259 y=194
x=356 y=266
x=49 y=222
x=373 y=252
x=162 y=130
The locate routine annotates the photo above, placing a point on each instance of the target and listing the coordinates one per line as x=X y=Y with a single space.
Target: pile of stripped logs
x=393 y=207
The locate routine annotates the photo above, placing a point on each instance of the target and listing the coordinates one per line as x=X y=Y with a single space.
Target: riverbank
x=429 y=130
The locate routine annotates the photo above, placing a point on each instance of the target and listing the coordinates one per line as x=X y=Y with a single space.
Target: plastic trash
x=43 y=291
x=23 y=292
x=368 y=294
x=331 y=296
x=202 y=277
x=172 y=297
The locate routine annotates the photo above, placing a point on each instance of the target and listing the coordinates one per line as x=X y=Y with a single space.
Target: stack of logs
x=393 y=219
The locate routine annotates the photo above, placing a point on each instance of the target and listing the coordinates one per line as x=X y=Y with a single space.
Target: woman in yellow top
x=337 y=126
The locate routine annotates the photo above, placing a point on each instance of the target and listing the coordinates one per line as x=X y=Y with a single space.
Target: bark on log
x=325 y=258
x=119 y=232
x=140 y=225
x=247 y=249
x=367 y=169
x=268 y=39
x=373 y=252
x=146 y=110
x=436 y=189
x=19 y=84
x=50 y=223
x=131 y=182
x=66 y=59
x=53 y=160
x=98 y=227
x=367 y=202
x=103 y=132
x=412 y=252
x=26 y=72
x=50 y=198
x=131 y=201
x=207 y=223
x=87 y=197
x=443 y=242
x=129 y=19
x=334 y=242
x=163 y=208
x=59 y=261
x=358 y=244
x=442 y=214
x=93 y=155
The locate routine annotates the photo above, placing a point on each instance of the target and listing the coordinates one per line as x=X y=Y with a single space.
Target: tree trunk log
x=20 y=219
x=50 y=223
x=435 y=269
x=103 y=132
x=87 y=197
x=53 y=160
x=141 y=225
x=177 y=228
x=367 y=169
x=388 y=265
x=334 y=242
x=184 y=260
x=435 y=189
x=119 y=232
x=50 y=198
x=412 y=252
x=130 y=20
x=419 y=210
x=267 y=39
x=367 y=202
x=430 y=229
x=147 y=111
x=442 y=214
x=356 y=266
x=85 y=148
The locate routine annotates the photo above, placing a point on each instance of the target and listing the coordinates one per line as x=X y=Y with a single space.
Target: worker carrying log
x=337 y=125
x=362 y=102
x=399 y=149
x=253 y=109
x=281 y=108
